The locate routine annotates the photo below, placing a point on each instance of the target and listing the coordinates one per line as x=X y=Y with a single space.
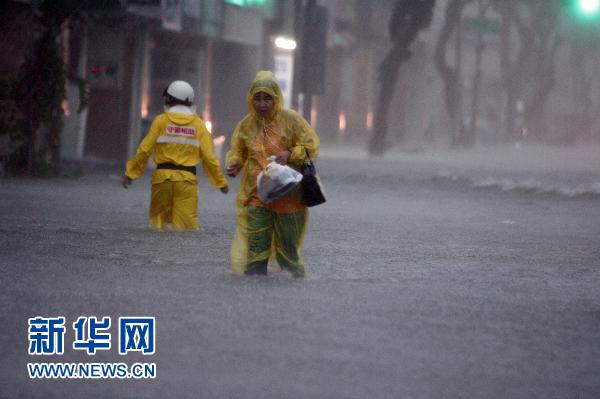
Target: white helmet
x=180 y=90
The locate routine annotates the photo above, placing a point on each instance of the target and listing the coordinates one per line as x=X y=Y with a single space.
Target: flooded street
x=425 y=282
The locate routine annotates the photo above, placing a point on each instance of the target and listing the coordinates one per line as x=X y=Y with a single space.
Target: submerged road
x=428 y=280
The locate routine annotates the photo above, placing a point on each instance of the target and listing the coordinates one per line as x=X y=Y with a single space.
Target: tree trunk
x=450 y=76
x=582 y=87
x=472 y=132
x=31 y=142
x=530 y=78
x=546 y=42
x=514 y=73
x=388 y=78
x=408 y=19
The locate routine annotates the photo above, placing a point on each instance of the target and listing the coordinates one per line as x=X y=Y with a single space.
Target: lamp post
x=283 y=59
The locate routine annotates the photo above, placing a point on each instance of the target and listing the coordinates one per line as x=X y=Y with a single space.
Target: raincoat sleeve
x=136 y=165
x=237 y=153
x=305 y=140
x=210 y=163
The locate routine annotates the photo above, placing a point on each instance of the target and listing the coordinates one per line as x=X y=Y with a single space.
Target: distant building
x=131 y=53
x=129 y=58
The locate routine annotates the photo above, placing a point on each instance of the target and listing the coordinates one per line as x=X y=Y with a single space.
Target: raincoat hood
x=265 y=81
x=181 y=109
x=180 y=119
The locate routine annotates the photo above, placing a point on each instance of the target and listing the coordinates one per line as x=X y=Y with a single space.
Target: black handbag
x=311 y=187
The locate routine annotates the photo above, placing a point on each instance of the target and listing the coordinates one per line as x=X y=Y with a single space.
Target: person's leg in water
x=260 y=235
x=185 y=206
x=289 y=235
x=161 y=204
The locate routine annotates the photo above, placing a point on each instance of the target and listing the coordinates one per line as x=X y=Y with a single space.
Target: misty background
x=85 y=79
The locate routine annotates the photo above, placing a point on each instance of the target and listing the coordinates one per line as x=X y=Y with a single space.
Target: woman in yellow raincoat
x=179 y=141
x=275 y=229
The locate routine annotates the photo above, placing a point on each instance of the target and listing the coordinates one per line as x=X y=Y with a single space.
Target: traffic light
x=588 y=8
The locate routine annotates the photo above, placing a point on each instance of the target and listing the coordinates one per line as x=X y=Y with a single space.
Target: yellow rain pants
x=174 y=202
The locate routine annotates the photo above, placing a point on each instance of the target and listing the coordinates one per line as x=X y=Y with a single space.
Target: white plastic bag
x=276 y=181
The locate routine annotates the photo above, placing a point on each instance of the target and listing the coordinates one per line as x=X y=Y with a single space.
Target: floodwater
x=431 y=276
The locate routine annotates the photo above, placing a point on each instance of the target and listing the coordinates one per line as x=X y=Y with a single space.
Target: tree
x=530 y=78
x=480 y=46
x=39 y=88
x=583 y=32
x=513 y=72
x=543 y=44
x=453 y=97
x=408 y=19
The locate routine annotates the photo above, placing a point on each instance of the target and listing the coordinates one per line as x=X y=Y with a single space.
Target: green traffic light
x=589 y=7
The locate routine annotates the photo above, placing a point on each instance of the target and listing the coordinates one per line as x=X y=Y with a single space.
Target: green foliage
x=37 y=93
x=10 y=117
x=83 y=86
x=41 y=84
x=12 y=123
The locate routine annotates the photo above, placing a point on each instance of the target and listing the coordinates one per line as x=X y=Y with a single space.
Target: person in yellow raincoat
x=179 y=141
x=276 y=229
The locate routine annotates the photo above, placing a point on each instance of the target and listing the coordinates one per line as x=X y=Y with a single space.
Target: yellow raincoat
x=275 y=229
x=179 y=139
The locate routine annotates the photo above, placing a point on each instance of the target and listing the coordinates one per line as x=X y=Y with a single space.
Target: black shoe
x=256 y=269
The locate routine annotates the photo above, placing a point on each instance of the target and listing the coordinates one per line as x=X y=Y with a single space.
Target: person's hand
x=126 y=182
x=233 y=169
x=282 y=157
x=224 y=190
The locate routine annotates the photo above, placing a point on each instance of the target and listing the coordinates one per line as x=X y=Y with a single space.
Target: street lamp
x=285 y=43
x=283 y=66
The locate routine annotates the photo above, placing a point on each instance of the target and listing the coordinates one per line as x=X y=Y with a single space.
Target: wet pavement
x=425 y=283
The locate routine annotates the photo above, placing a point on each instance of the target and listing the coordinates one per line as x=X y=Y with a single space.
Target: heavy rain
x=457 y=254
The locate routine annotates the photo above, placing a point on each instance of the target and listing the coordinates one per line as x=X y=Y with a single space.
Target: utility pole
x=313 y=47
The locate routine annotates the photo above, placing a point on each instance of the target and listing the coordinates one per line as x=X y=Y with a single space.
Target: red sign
x=181 y=131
